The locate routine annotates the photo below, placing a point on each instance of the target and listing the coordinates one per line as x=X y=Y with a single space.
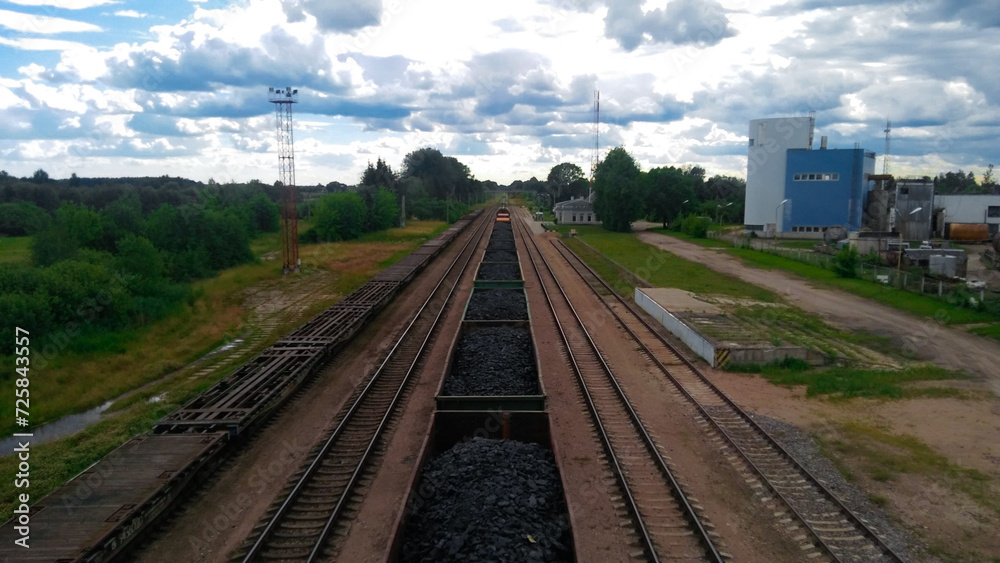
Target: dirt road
x=928 y=339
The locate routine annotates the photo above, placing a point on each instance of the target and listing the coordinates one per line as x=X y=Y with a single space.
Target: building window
x=993 y=211
x=751 y=142
x=827 y=177
x=574 y=217
x=588 y=218
x=836 y=177
x=812 y=176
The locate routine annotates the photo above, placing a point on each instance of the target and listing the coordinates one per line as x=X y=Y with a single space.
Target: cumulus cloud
x=341 y=17
x=699 y=22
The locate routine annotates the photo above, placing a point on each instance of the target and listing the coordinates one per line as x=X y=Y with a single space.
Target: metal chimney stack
x=822 y=143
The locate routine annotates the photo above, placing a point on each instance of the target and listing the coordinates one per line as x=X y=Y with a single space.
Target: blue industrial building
x=825 y=188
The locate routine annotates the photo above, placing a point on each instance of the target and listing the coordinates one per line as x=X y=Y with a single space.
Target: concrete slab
x=678 y=300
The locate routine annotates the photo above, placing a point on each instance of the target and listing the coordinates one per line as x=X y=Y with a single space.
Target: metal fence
x=885 y=275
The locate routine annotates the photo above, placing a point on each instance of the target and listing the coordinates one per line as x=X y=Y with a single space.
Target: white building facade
x=576 y=211
x=969 y=209
x=769 y=142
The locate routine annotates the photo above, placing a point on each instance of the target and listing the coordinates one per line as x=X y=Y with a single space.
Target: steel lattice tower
x=595 y=159
x=283 y=100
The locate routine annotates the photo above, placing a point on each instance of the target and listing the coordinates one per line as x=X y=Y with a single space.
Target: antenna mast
x=283 y=100
x=885 y=157
x=595 y=159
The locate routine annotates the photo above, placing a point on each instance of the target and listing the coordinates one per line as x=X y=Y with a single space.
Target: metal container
x=469 y=301
x=450 y=428
x=490 y=403
x=968 y=231
x=514 y=284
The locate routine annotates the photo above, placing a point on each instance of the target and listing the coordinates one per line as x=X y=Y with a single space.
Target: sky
x=118 y=88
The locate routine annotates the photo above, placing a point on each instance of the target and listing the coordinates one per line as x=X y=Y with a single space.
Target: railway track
x=667 y=523
x=298 y=527
x=816 y=519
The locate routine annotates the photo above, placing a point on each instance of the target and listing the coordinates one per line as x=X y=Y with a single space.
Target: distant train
x=503 y=215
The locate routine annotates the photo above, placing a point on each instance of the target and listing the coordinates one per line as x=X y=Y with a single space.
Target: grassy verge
x=917 y=304
x=846 y=382
x=659 y=267
x=865 y=450
x=15 y=249
x=74 y=382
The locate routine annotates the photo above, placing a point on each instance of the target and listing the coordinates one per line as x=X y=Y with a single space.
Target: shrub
x=696 y=226
x=845 y=262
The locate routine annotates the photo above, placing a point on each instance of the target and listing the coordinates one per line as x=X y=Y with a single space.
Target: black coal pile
x=497 y=305
x=489 y=500
x=492 y=361
x=501 y=245
x=499 y=271
x=500 y=256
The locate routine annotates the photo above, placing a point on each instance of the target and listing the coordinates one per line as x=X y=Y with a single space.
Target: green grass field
x=845 y=382
x=657 y=266
x=15 y=249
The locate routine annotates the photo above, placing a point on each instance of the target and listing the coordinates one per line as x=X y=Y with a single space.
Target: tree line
x=108 y=254
x=112 y=265
x=624 y=193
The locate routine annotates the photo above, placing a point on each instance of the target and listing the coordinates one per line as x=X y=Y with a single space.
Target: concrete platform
x=715 y=336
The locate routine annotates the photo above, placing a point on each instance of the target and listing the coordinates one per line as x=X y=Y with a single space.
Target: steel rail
x=854 y=519
x=303 y=481
x=687 y=510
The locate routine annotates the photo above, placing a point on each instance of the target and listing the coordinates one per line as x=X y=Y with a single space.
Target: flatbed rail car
x=248 y=395
x=94 y=516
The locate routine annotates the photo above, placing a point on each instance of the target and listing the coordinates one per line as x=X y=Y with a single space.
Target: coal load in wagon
x=489 y=500
x=499 y=271
x=493 y=361
x=497 y=305
x=500 y=256
x=501 y=244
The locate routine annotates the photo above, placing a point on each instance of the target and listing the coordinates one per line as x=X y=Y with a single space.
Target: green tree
x=137 y=255
x=617 y=193
x=264 y=214
x=82 y=223
x=665 y=190
x=339 y=216
x=22 y=218
x=379 y=175
x=383 y=213
x=565 y=180
x=53 y=245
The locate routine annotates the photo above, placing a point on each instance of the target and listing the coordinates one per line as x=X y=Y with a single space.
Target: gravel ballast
x=500 y=256
x=497 y=305
x=803 y=448
x=491 y=361
x=499 y=271
x=489 y=500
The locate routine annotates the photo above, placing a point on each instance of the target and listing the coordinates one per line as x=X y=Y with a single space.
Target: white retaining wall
x=688 y=336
